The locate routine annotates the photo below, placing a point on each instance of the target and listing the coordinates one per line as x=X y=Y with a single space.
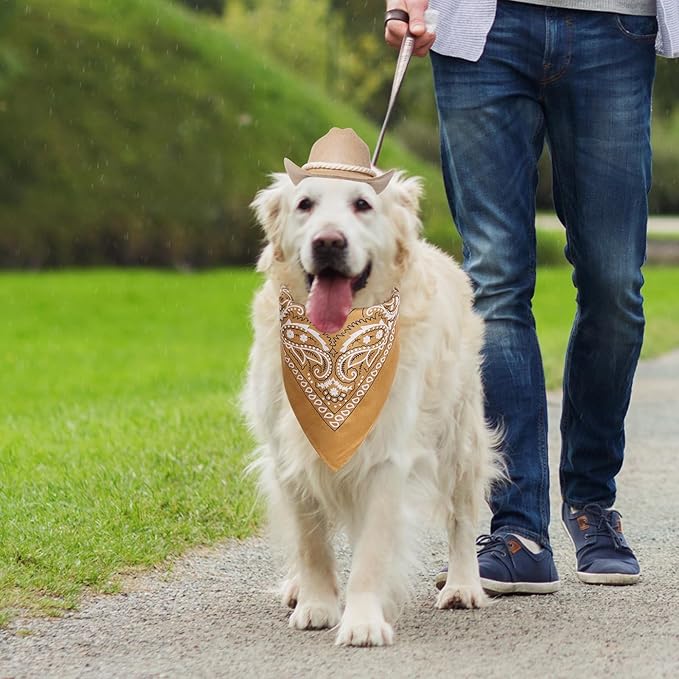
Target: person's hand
x=395 y=30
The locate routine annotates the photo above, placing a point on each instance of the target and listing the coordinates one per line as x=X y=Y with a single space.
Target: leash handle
x=404 y=55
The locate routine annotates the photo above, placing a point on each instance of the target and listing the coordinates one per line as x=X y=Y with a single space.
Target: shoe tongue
x=330 y=301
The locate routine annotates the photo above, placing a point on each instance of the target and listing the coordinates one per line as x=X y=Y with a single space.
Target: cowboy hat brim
x=296 y=174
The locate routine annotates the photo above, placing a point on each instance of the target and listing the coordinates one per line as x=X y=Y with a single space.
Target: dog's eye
x=305 y=204
x=362 y=205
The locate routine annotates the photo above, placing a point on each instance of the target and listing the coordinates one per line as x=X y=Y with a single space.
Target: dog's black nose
x=329 y=250
x=328 y=243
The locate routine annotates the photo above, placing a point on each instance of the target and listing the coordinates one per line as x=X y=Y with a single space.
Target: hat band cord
x=340 y=166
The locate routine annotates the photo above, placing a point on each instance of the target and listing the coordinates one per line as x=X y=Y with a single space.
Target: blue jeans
x=583 y=80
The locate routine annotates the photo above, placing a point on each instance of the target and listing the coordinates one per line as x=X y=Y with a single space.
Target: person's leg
x=599 y=132
x=492 y=128
x=598 y=121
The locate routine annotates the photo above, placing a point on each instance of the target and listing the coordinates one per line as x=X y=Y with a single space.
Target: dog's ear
x=270 y=206
x=405 y=192
x=402 y=198
x=402 y=203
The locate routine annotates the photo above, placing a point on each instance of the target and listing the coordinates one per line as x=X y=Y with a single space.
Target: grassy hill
x=138 y=132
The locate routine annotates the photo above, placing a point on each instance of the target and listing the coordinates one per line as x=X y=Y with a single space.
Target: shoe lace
x=490 y=543
x=601 y=524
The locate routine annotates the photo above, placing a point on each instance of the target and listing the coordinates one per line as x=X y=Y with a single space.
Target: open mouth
x=331 y=297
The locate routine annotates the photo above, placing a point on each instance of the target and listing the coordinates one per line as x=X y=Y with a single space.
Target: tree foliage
x=297 y=33
x=9 y=64
x=211 y=6
x=340 y=47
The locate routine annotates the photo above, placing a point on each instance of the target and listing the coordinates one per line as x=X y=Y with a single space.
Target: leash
x=404 y=55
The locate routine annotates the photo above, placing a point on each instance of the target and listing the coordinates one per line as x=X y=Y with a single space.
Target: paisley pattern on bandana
x=337 y=383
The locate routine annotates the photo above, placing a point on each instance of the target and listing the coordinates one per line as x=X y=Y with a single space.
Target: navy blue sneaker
x=602 y=553
x=507 y=567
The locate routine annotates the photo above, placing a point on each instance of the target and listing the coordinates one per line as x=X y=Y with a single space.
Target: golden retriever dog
x=430 y=452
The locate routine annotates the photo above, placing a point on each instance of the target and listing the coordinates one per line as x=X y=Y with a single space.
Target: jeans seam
x=570 y=23
x=645 y=38
x=565 y=414
x=544 y=473
x=539 y=125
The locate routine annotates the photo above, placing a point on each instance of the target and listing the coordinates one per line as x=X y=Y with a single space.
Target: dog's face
x=336 y=243
x=337 y=227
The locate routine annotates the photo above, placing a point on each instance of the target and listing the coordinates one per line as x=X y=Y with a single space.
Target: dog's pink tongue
x=329 y=302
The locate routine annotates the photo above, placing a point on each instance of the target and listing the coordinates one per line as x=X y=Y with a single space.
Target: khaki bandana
x=337 y=384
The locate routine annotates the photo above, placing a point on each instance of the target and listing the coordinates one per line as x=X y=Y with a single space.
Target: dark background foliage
x=213 y=6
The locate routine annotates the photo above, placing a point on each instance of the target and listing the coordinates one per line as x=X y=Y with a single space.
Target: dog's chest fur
x=419 y=417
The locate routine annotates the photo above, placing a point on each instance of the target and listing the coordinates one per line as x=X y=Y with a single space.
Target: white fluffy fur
x=430 y=443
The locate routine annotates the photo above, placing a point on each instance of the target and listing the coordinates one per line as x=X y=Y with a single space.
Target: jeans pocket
x=636 y=27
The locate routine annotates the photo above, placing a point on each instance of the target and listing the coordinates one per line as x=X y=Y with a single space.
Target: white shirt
x=463 y=26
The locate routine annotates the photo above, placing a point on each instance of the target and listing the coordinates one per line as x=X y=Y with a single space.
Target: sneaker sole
x=608 y=578
x=498 y=588
x=600 y=578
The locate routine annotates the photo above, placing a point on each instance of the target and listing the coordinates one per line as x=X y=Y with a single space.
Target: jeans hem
x=581 y=504
x=542 y=540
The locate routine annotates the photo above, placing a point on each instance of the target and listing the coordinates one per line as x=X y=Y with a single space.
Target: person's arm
x=395 y=30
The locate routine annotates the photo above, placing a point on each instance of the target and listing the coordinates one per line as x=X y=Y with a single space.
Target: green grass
x=120 y=441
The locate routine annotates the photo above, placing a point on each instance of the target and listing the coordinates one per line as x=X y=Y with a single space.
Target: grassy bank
x=138 y=132
x=120 y=441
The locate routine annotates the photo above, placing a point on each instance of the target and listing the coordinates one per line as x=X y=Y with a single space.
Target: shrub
x=213 y=6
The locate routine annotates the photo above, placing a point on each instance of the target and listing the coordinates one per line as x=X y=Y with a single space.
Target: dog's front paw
x=462 y=596
x=315 y=615
x=365 y=633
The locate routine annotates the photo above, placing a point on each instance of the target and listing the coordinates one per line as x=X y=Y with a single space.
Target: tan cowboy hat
x=341 y=154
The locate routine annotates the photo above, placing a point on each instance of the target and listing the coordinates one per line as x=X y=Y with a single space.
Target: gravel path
x=214 y=614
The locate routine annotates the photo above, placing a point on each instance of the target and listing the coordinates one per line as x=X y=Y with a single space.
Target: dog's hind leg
x=377 y=541
x=315 y=582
